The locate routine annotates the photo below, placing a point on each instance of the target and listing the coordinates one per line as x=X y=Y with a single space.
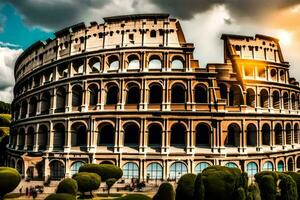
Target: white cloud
x=7 y=61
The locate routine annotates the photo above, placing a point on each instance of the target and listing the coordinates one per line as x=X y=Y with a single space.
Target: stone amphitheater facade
x=129 y=92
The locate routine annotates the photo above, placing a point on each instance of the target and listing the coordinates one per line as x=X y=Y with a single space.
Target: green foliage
x=134 y=197
x=267 y=184
x=9 y=180
x=199 y=191
x=4 y=107
x=240 y=194
x=165 y=192
x=67 y=185
x=61 y=196
x=109 y=183
x=288 y=187
x=253 y=192
x=87 y=182
x=296 y=177
x=185 y=187
x=105 y=171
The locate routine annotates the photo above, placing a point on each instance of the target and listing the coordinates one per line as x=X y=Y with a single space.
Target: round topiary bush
x=296 y=178
x=9 y=180
x=87 y=182
x=109 y=183
x=185 y=187
x=105 y=171
x=134 y=197
x=288 y=187
x=199 y=190
x=61 y=196
x=67 y=185
x=165 y=192
x=267 y=184
x=253 y=192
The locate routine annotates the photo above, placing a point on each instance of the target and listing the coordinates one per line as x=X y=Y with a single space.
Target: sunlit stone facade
x=129 y=92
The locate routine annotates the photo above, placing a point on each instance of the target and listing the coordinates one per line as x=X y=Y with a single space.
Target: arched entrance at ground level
x=155 y=171
x=79 y=135
x=178 y=135
x=233 y=135
x=252 y=168
x=201 y=166
x=231 y=165
x=177 y=169
x=130 y=170
x=75 y=167
x=268 y=166
x=280 y=166
x=290 y=165
x=251 y=135
x=57 y=170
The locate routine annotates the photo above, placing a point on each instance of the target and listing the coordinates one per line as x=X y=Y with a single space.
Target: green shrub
x=105 y=171
x=253 y=192
x=288 y=187
x=109 y=183
x=296 y=177
x=61 y=196
x=67 y=185
x=185 y=187
x=240 y=194
x=199 y=189
x=165 y=192
x=87 y=182
x=134 y=197
x=9 y=180
x=267 y=184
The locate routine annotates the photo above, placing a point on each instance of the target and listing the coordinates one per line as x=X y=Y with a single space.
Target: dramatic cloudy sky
x=22 y=22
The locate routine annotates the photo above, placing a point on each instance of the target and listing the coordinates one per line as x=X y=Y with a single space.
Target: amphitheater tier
x=130 y=93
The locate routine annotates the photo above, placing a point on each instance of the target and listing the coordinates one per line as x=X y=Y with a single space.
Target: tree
x=87 y=182
x=109 y=183
x=185 y=187
x=105 y=171
x=288 y=187
x=9 y=180
x=61 y=196
x=68 y=186
x=165 y=192
x=267 y=184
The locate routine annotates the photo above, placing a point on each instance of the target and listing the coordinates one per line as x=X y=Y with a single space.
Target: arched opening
x=231 y=165
x=298 y=162
x=79 y=135
x=251 y=135
x=273 y=74
x=30 y=138
x=63 y=70
x=113 y=63
x=154 y=135
x=293 y=102
x=286 y=101
x=42 y=137
x=200 y=94
x=252 y=168
x=280 y=166
x=178 y=94
x=77 y=94
x=131 y=135
x=265 y=134
x=223 y=90
x=268 y=166
x=17 y=112
x=45 y=103
x=290 y=165
x=276 y=100
x=177 y=169
x=20 y=167
x=156 y=94
x=59 y=137
x=264 y=98
x=133 y=62
x=130 y=171
x=201 y=166
x=250 y=97
x=112 y=95
x=282 y=75
x=296 y=133
x=288 y=132
x=278 y=134
x=155 y=171
x=61 y=97
x=78 y=66
x=93 y=91
x=202 y=135
x=177 y=63
x=155 y=62
x=133 y=94
x=94 y=64
x=57 y=170
x=75 y=167
x=106 y=135
x=235 y=96
x=33 y=106
x=178 y=135
x=233 y=135
x=21 y=142
x=24 y=109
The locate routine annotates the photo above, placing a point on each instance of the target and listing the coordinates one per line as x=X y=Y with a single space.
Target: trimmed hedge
x=9 y=180
x=87 y=182
x=185 y=187
x=288 y=187
x=165 y=192
x=134 y=197
x=105 y=171
x=267 y=184
x=253 y=192
x=199 y=189
x=67 y=185
x=296 y=177
x=61 y=196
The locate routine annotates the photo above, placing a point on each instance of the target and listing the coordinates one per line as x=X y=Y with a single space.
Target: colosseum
x=129 y=92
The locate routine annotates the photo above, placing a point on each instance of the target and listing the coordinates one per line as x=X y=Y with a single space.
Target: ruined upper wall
x=260 y=47
x=146 y=30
